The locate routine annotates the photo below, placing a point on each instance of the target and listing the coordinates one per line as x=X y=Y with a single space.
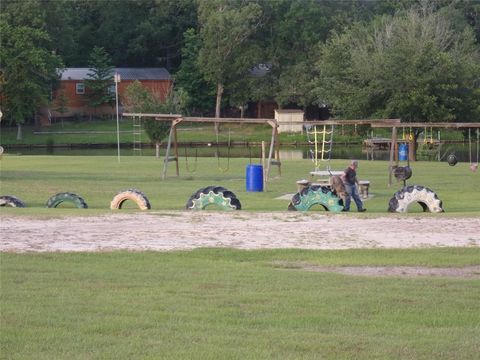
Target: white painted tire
x=427 y=199
x=11 y=201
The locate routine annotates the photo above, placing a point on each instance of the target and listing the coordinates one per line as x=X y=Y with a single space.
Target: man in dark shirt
x=351 y=182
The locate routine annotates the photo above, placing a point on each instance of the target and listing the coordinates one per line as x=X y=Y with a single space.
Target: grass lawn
x=34 y=179
x=223 y=303
x=228 y=304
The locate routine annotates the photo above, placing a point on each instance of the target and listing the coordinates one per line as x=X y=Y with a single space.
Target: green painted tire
x=213 y=196
x=134 y=195
x=59 y=198
x=11 y=201
x=315 y=195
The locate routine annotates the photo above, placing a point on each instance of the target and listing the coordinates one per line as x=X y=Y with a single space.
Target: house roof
x=125 y=73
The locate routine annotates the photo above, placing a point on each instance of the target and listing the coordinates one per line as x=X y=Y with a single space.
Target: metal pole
x=117 y=80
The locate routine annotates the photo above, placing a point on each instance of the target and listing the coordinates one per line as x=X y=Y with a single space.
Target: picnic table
x=324 y=180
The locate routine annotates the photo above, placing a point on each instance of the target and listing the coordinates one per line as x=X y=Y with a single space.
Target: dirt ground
x=167 y=231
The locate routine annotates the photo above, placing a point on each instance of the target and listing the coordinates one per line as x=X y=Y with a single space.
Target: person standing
x=351 y=187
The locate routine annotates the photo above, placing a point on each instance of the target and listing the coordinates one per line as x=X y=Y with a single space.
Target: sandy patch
x=467 y=272
x=167 y=231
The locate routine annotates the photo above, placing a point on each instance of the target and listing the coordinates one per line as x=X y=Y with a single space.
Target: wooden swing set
x=274 y=149
x=176 y=119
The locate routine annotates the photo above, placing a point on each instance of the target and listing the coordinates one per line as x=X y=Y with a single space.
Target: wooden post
x=175 y=148
x=167 y=152
x=277 y=155
x=270 y=154
x=263 y=166
x=393 y=147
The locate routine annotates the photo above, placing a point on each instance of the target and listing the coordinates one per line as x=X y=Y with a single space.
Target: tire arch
x=69 y=197
x=11 y=201
x=138 y=197
x=316 y=195
x=213 y=196
x=422 y=195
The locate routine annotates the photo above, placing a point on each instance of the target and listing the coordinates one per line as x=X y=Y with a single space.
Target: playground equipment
x=324 y=152
x=137 y=135
x=221 y=168
x=134 y=195
x=427 y=199
x=176 y=119
x=473 y=166
x=213 y=195
x=59 y=198
x=188 y=166
x=315 y=195
x=11 y=201
x=452 y=160
x=394 y=126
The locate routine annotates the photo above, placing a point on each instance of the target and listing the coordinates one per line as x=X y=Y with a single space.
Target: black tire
x=11 y=201
x=422 y=195
x=134 y=195
x=59 y=198
x=403 y=173
x=213 y=195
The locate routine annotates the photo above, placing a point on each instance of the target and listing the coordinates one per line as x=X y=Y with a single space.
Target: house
x=71 y=94
x=268 y=108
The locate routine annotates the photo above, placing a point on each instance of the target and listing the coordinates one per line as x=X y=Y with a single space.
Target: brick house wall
x=157 y=80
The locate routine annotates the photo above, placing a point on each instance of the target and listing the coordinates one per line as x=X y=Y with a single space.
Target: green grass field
x=223 y=303
x=228 y=304
x=34 y=179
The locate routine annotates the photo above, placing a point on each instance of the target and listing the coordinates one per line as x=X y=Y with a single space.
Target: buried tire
x=316 y=195
x=427 y=199
x=59 y=198
x=213 y=195
x=138 y=197
x=11 y=201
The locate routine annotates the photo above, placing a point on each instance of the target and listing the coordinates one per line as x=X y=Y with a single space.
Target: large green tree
x=225 y=28
x=413 y=65
x=189 y=78
x=290 y=35
x=29 y=69
x=136 y=33
x=100 y=79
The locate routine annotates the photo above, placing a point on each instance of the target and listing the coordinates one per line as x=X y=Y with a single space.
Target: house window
x=80 y=88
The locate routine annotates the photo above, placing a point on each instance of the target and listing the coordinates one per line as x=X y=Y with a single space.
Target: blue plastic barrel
x=403 y=152
x=254 y=177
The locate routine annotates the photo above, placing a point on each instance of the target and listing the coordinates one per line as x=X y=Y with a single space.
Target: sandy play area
x=182 y=230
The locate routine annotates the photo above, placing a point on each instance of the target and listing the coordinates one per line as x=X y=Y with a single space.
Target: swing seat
x=473 y=167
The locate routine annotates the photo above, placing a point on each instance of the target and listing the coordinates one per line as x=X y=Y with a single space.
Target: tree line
x=412 y=59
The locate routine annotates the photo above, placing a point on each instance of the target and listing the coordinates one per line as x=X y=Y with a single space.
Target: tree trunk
x=36 y=119
x=157 y=149
x=217 y=105
x=19 y=131
x=414 y=144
